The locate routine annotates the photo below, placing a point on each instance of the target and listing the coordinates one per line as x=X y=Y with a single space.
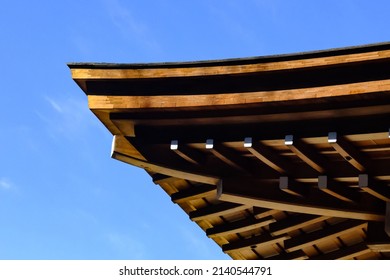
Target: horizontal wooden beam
x=102 y=102
x=253 y=242
x=252 y=193
x=243 y=225
x=295 y=222
x=216 y=210
x=194 y=192
x=162 y=179
x=329 y=232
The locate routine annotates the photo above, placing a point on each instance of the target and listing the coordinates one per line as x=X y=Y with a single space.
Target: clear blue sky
x=61 y=195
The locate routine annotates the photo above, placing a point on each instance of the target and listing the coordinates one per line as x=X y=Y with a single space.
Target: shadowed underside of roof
x=281 y=157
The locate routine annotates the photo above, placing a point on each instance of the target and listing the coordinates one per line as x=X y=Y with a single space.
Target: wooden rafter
x=252 y=242
x=294 y=222
x=216 y=210
x=243 y=225
x=345 y=253
x=336 y=190
x=194 y=192
x=348 y=151
x=329 y=232
x=306 y=153
x=374 y=187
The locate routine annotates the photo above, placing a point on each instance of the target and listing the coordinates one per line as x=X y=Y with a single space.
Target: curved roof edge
x=236 y=61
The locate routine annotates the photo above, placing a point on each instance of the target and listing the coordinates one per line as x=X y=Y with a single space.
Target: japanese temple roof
x=274 y=157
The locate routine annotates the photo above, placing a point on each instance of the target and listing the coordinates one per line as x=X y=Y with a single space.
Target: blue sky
x=61 y=195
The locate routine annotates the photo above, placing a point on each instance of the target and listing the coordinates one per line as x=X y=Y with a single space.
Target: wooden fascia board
x=223 y=99
x=182 y=71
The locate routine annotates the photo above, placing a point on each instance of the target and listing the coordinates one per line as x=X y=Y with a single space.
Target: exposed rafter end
x=332 y=188
x=347 y=151
x=292 y=187
x=161 y=169
x=374 y=187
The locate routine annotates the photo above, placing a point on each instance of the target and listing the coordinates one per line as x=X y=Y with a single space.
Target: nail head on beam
x=209 y=143
x=174 y=144
x=248 y=142
x=289 y=140
x=332 y=137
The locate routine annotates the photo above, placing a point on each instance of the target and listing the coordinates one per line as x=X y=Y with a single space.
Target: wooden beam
x=267 y=156
x=336 y=190
x=252 y=193
x=345 y=253
x=253 y=242
x=191 y=155
x=292 y=187
x=306 y=153
x=330 y=232
x=374 y=187
x=238 y=98
x=347 y=151
x=161 y=179
x=216 y=210
x=295 y=222
x=296 y=255
x=228 y=157
x=260 y=213
x=161 y=169
x=194 y=192
x=243 y=225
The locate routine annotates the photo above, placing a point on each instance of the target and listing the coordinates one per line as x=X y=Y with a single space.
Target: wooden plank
x=247 y=224
x=269 y=157
x=308 y=154
x=345 y=253
x=253 y=242
x=162 y=179
x=348 y=151
x=194 y=192
x=295 y=222
x=79 y=73
x=374 y=187
x=336 y=190
x=230 y=158
x=252 y=194
x=224 y=99
x=292 y=187
x=191 y=155
x=259 y=212
x=216 y=210
x=166 y=170
x=330 y=232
